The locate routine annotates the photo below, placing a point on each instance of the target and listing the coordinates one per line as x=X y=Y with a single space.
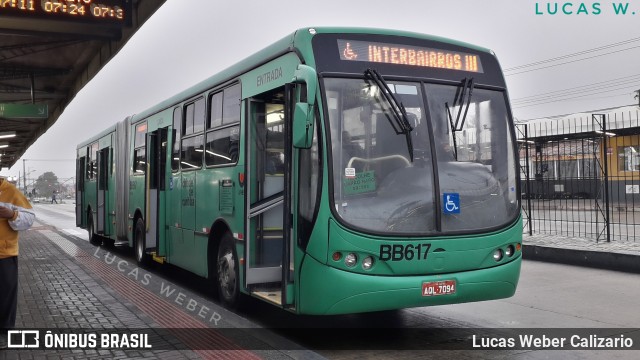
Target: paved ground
x=69 y=286
x=66 y=284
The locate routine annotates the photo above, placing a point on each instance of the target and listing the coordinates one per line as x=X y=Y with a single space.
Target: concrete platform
x=68 y=286
x=614 y=255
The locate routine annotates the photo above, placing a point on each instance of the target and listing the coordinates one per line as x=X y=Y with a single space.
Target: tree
x=46 y=184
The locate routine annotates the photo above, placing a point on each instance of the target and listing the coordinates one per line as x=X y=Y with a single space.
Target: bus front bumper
x=326 y=290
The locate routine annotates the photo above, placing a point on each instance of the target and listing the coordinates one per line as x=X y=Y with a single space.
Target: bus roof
x=299 y=41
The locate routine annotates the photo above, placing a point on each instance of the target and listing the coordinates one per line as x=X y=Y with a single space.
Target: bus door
x=268 y=228
x=80 y=174
x=103 y=180
x=156 y=182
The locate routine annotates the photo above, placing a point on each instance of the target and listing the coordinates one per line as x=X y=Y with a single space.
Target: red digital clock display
x=98 y=11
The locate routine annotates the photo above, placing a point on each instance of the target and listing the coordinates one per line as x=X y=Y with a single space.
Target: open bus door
x=156 y=180
x=268 y=199
x=80 y=174
x=102 y=193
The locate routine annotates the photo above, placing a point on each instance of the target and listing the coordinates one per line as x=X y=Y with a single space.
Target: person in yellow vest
x=16 y=215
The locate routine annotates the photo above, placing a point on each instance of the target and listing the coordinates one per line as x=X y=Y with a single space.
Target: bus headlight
x=367 y=263
x=509 y=251
x=350 y=260
x=497 y=255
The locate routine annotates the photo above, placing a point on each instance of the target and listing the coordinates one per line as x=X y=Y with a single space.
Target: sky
x=586 y=55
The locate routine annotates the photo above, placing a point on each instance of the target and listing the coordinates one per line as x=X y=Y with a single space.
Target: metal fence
x=580 y=176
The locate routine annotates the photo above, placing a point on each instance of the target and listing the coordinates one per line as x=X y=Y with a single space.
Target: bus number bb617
x=399 y=252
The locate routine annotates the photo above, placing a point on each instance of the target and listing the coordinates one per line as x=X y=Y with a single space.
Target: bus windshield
x=457 y=172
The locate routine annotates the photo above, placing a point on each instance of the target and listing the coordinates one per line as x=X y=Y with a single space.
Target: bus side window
x=175 y=152
x=222 y=146
x=309 y=177
x=139 y=161
x=88 y=166
x=191 y=154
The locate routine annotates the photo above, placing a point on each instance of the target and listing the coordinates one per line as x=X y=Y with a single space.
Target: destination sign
x=387 y=53
x=91 y=11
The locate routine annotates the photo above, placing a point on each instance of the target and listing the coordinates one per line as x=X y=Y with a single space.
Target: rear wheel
x=139 y=237
x=227 y=272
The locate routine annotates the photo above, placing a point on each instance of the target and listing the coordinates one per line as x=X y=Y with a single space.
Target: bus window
x=194 y=117
x=216 y=110
x=139 y=161
x=88 y=166
x=139 y=154
x=482 y=148
x=141 y=136
x=177 y=122
x=189 y=111
x=222 y=146
x=310 y=167
x=274 y=142
x=191 y=154
x=376 y=184
x=92 y=150
x=231 y=104
x=198 y=116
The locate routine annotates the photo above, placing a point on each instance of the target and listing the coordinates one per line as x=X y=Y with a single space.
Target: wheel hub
x=227 y=274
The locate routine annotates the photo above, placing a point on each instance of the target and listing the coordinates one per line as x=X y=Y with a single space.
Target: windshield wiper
x=402 y=124
x=459 y=100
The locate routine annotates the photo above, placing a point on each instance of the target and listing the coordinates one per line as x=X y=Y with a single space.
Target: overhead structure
x=49 y=50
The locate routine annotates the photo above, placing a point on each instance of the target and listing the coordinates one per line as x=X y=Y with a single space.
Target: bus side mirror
x=303 y=126
x=303 y=112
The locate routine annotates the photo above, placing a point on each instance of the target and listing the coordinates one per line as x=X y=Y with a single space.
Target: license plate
x=435 y=288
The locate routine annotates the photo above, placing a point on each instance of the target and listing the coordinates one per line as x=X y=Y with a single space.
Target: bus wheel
x=227 y=274
x=93 y=238
x=139 y=238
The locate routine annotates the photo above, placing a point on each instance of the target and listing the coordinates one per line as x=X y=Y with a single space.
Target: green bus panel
x=199 y=258
x=269 y=76
x=337 y=289
x=174 y=195
x=188 y=200
x=183 y=249
x=440 y=255
x=327 y=291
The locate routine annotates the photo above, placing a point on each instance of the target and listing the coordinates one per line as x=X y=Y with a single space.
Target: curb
x=586 y=258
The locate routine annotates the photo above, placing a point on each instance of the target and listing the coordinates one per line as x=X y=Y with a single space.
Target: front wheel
x=139 y=237
x=227 y=272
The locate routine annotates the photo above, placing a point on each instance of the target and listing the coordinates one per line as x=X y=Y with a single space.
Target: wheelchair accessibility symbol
x=451 y=203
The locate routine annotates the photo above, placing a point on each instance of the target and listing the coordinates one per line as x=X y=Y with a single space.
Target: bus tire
x=227 y=273
x=139 y=246
x=93 y=238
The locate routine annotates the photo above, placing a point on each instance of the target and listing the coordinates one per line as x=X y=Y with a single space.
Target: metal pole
x=606 y=177
x=526 y=149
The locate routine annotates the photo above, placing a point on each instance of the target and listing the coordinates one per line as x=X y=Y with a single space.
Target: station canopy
x=49 y=50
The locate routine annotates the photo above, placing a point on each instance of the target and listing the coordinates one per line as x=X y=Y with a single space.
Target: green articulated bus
x=339 y=170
